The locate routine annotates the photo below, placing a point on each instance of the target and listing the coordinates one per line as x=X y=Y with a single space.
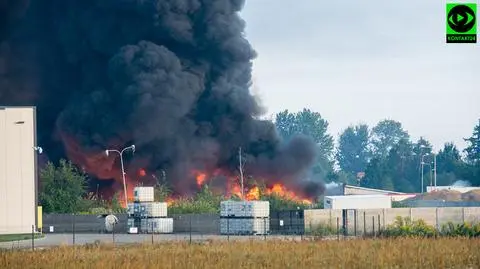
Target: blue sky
x=363 y=61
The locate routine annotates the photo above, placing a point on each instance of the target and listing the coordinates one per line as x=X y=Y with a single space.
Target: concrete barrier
x=357 y=221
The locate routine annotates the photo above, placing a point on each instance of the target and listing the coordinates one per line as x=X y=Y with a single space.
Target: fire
x=201 y=177
x=170 y=201
x=280 y=190
x=253 y=194
x=105 y=167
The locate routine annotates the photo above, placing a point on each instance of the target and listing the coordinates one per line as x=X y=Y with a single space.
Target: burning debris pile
x=171 y=76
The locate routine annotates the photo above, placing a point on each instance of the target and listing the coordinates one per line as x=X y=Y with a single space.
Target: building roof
x=356 y=196
x=370 y=189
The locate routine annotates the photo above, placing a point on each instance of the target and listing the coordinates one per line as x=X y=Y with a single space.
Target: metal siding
x=17 y=170
x=3 y=173
x=358 y=202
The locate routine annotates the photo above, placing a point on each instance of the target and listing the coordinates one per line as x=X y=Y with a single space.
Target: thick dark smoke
x=171 y=76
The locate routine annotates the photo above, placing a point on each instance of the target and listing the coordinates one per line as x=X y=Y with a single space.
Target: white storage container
x=255 y=226
x=130 y=223
x=160 y=225
x=130 y=208
x=143 y=194
x=144 y=228
x=138 y=208
x=154 y=210
x=357 y=202
x=258 y=209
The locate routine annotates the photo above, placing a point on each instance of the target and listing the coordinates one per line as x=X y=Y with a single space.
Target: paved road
x=51 y=240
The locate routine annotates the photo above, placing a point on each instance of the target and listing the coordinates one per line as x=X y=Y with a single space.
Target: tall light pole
x=435 y=169
x=422 y=164
x=107 y=152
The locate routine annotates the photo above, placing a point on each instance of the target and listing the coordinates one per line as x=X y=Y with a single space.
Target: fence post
x=190 y=219
x=384 y=219
x=265 y=229
x=33 y=237
x=437 y=225
x=373 y=226
x=73 y=229
x=364 y=224
x=379 y=224
x=355 y=222
x=338 y=229
x=463 y=215
x=228 y=229
x=113 y=234
x=152 y=231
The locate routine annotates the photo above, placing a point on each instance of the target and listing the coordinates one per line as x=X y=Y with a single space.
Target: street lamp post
x=435 y=169
x=132 y=147
x=422 y=164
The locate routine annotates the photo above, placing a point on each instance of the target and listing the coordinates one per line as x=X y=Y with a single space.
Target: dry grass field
x=391 y=253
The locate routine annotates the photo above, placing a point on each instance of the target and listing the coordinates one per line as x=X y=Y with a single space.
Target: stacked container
x=146 y=215
x=245 y=217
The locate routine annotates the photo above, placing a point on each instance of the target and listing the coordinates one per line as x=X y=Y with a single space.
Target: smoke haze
x=171 y=76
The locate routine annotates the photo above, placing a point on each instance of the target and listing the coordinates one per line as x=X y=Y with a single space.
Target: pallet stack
x=245 y=217
x=147 y=216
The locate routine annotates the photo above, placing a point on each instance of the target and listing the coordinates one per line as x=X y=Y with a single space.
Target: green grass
x=17 y=237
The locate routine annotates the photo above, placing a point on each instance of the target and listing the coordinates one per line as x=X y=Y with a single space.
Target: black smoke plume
x=171 y=76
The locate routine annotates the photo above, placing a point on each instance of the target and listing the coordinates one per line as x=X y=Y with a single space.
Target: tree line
x=383 y=156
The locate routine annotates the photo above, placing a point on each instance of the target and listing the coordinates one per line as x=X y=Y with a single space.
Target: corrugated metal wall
x=17 y=170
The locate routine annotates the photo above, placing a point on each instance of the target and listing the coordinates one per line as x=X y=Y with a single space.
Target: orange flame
x=169 y=201
x=201 y=177
x=253 y=194
x=281 y=190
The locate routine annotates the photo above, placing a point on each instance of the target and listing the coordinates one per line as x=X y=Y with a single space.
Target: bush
x=464 y=230
x=204 y=202
x=405 y=227
x=278 y=203
x=397 y=204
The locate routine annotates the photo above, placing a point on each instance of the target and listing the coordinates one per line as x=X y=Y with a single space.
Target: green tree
x=309 y=123
x=472 y=168
x=397 y=172
x=162 y=192
x=62 y=187
x=402 y=170
x=423 y=152
x=385 y=135
x=375 y=174
x=353 y=153
x=449 y=165
x=473 y=148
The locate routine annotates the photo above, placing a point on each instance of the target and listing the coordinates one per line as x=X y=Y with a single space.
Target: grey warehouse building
x=18 y=170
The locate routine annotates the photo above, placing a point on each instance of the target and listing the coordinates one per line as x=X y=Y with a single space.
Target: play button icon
x=461 y=18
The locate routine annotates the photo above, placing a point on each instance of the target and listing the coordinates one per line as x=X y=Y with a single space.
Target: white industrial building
x=365 y=201
x=348 y=190
x=18 y=173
